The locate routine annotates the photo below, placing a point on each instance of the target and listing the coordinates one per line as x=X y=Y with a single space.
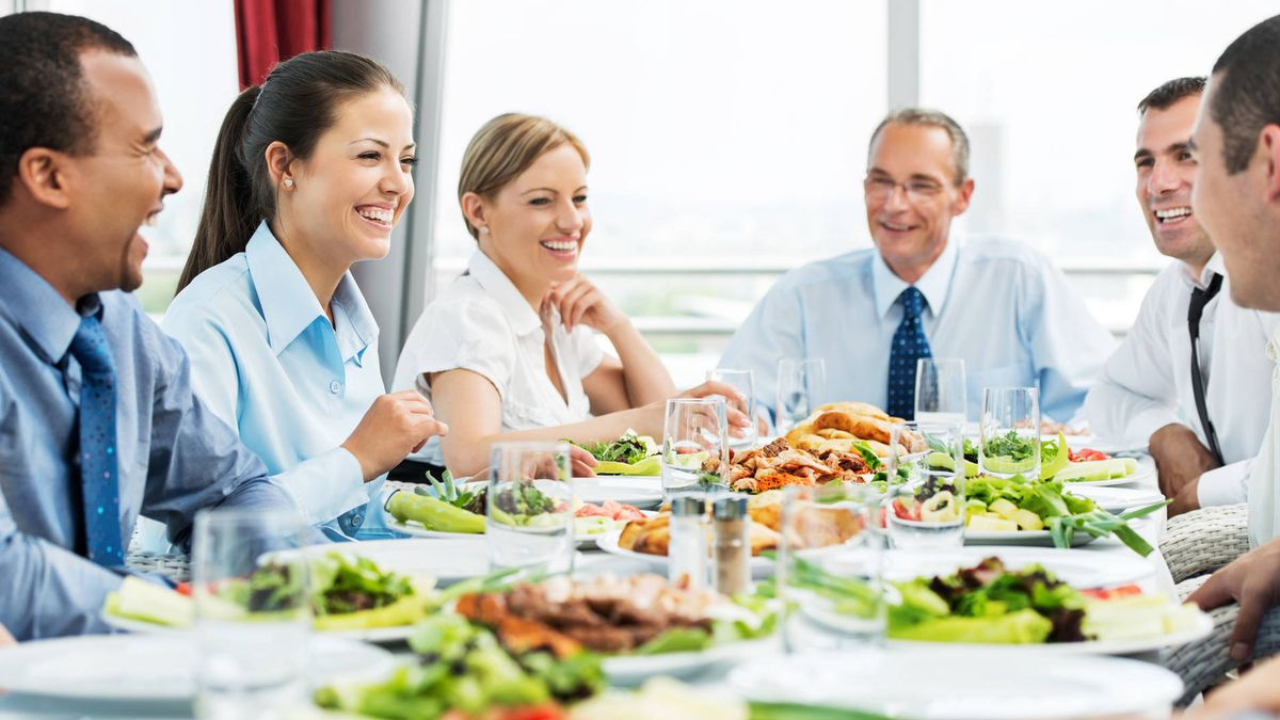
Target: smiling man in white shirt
x=1203 y=432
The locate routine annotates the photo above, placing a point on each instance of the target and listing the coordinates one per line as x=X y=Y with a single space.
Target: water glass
x=529 y=522
x=251 y=588
x=744 y=382
x=829 y=572
x=925 y=498
x=941 y=392
x=695 y=448
x=1009 y=432
x=801 y=386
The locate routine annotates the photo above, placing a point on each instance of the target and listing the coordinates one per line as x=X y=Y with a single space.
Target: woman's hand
x=582 y=461
x=394 y=426
x=654 y=413
x=580 y=302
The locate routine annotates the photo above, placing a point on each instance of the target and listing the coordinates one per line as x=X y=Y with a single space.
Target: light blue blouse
x=265 y=358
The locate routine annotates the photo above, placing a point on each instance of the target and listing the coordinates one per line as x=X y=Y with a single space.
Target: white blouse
x=482 y=323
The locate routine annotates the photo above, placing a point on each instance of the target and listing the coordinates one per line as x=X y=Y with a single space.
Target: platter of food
x=648 y=541
x=630 y=455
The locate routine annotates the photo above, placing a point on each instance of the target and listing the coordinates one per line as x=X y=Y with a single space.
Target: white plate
x=1135 y=646
x=928 y=686
x=584 y=541
x=1144 y=474
x=154 y=668
x=635 y=669
x=371 y=635
x=1116 y=499
x=1037 y=538
x=643 y=492
x=448 y=560
x=760 y=567
x=1080 y=569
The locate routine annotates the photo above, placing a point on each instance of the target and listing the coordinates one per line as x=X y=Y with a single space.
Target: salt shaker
x=687 y=558
x=732 y=545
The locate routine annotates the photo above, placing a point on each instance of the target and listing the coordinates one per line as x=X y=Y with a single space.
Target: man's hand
x=1253 y=580
x=1255 y=690
x=1180 y=458
x=1187 y=499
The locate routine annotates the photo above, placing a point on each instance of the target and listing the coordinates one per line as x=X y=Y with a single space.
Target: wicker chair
x=174 y=567
x=1195 y=545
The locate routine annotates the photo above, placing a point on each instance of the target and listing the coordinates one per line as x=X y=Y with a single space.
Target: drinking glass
x=744 y=383
x=529 y=521
x=695 y=448
x=251 y=589
x=1009 y=432
x=829 y=568
x=925 y=499
x=801 y=386
x=941 y=393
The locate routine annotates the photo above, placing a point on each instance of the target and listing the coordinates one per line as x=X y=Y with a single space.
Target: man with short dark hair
x=872 y=314
x=98 y=422
x=1190 y=381
x=1236 y=142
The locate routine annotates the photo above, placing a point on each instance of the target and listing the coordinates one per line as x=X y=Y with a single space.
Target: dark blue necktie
x=100 y=488
x=909 y=345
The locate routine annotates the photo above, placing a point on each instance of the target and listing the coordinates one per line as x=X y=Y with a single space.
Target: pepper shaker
x=732 y=545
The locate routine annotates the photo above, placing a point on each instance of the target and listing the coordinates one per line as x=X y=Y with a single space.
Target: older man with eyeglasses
x=999 y=305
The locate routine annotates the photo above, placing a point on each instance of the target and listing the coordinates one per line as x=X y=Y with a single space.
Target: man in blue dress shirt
x=871 y=314
x=97 y=419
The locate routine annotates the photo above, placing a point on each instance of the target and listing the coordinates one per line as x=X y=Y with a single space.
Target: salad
x=988 y=603
x=1014 y=504
x=631 y=454
x=465 y=671
x=347 y=594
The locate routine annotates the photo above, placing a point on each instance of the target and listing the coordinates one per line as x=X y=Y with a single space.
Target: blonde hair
x=504 y=148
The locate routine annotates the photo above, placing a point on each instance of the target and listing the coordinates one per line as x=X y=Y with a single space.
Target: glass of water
x=695 y=447
x=251 y=588
x=530 y=507
x=941 y=393
x=801 y=386
x=1009 y=432
x=925 y=498
x=744 y=383
x=830 y=568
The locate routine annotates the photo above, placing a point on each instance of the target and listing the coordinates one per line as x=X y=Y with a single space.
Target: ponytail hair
x=295 y=105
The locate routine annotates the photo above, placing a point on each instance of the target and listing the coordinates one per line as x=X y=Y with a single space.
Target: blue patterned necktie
x=909 y=345
x=99 y=486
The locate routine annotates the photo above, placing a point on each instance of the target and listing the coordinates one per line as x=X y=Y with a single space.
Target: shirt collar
x=289 y=305
x=934 y=285
x=495 y=282
x=33 y=305
x=1214 y=265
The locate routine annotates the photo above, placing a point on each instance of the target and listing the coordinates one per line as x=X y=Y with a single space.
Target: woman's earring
x=484 y=229
x=288 y=183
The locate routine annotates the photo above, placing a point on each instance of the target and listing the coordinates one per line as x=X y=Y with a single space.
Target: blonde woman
x=507 y=352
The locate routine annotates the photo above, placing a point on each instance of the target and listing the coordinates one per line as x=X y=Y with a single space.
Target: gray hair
x=932 y=118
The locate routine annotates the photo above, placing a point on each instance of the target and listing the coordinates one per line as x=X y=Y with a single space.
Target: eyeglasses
x=879 y=188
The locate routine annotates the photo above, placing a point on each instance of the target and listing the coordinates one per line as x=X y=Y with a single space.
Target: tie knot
x=912 y=301
x=89 y=347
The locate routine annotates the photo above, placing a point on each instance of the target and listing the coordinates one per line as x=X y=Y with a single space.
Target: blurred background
x=728 y=137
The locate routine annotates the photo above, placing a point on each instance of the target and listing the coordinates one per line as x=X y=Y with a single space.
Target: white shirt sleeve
x=1137 y=394
x=468 y=335
x=1227 y=485
x=587 y=353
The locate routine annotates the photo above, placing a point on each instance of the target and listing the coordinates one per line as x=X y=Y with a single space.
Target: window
x=723 y=134
x=190 y=51
x=1048 y=94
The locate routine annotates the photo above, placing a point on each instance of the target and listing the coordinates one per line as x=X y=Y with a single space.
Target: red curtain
x=268 y=31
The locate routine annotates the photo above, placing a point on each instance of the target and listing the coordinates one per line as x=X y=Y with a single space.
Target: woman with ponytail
x=311 y=172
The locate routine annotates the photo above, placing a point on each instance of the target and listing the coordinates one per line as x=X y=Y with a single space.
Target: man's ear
x=46 y=175
x=1269 y=148
x=964 y=195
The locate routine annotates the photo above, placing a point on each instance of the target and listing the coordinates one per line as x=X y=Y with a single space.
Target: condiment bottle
x=688 y=553
x=732 y=545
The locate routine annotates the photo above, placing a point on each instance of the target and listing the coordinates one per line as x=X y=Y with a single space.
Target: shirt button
x=357 y=520
x=335 y=387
